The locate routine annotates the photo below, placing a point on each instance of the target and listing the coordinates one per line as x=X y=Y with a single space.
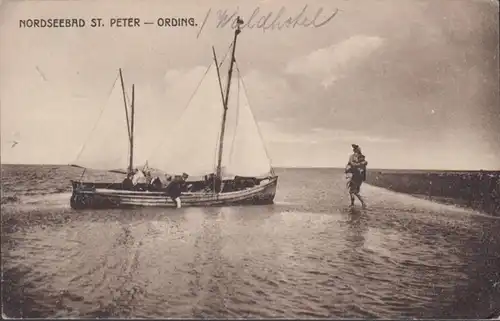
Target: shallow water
x=305 y=256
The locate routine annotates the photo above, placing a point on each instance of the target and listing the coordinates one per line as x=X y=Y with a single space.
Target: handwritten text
x=271 y=20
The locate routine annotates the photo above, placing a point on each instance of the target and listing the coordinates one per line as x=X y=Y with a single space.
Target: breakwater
x=479 y=190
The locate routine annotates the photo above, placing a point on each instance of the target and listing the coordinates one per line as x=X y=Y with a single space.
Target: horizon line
x=305 y=167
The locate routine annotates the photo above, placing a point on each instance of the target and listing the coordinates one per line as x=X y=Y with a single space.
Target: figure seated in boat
x=127 y=183
x=179 y=181
x=139 y=180
x=212 y=183
x=185 y=187
x=148 y=177
x=156 y=184
x=241 y=183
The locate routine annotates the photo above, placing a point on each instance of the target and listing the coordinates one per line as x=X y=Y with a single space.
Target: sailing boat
x=235 y=176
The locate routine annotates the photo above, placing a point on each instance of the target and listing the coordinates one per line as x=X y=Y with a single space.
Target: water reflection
x=208 y=266
x=253 y=262
x=356 y=229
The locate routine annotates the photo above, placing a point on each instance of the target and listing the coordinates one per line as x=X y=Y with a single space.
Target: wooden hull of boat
x=97 y=196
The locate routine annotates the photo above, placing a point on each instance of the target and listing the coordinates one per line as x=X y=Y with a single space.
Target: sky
x=413 y=82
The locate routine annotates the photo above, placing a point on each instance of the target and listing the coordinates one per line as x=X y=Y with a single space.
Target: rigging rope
x=186 y=107
x=98 y=119
x=255 y=120
x=237 y=117
x=220 y=129
x=216 y=148
x=227 y=52
x=128 y=99
x=217 y=145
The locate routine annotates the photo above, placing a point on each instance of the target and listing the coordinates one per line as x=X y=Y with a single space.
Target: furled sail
x=107 y=143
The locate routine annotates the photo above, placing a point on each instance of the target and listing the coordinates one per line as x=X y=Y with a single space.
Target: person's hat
x=355 y=146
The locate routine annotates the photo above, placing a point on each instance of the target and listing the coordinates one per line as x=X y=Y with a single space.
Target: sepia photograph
x=250 y=159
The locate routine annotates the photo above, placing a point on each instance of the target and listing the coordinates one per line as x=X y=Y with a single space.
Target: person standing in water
x=356 y=174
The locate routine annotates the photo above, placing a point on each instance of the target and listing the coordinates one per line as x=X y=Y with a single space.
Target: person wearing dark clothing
x=213 y=183
x=175 y=189
x=184 y=185
x=356 y=168
x=148 y=177
x=357 y=162
x=156 y=184
x=127 y=183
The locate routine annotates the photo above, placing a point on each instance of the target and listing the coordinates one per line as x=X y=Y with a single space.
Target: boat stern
x=82 y=195
x=75 y=185
x=267 y=195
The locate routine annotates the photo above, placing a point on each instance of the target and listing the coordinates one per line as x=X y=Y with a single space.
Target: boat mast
x=218 y=74
x=129 y=126
x=226 y=98
x=132 y=117
x=125 y=102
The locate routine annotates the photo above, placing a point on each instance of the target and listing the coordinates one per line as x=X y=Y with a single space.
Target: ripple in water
x=300 y=258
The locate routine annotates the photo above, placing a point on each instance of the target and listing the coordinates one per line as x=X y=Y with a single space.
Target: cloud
x=353 y=74
x=329 y=62
x=268 y=93
x=184 y=76
x=321 y=146
x=273 y=132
